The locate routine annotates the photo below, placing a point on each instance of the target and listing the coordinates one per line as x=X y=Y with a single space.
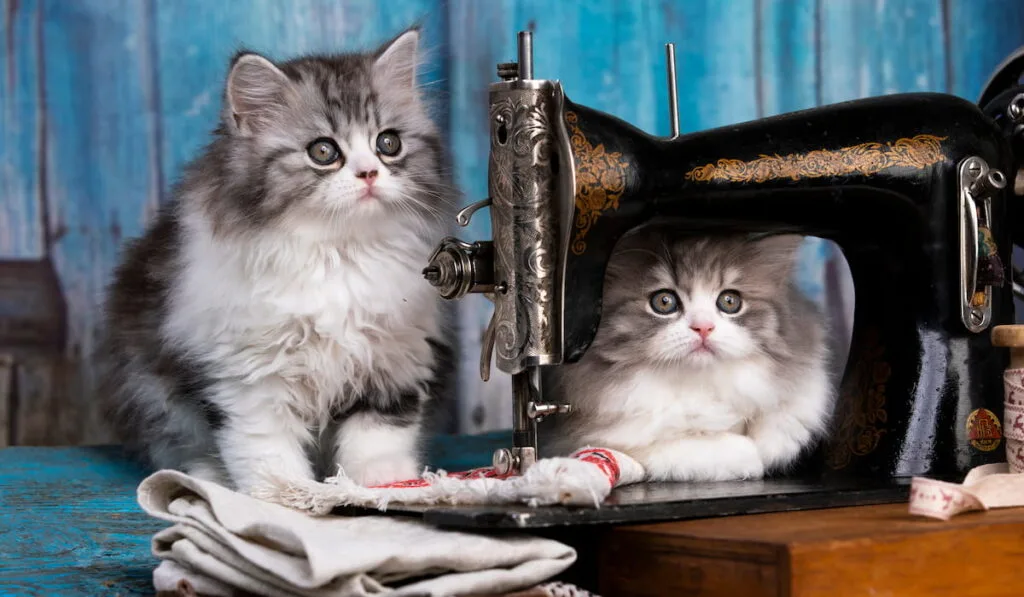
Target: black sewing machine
x=913 y=188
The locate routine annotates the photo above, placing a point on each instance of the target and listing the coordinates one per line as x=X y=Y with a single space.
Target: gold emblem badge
x=983 y=430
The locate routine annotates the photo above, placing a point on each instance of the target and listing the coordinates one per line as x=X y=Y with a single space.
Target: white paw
x=726 y=457
x=740 y=460
x=778 y=448
x=384 y=470
x=741 y=469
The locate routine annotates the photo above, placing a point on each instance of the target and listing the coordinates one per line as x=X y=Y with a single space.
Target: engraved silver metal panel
x=525 y=219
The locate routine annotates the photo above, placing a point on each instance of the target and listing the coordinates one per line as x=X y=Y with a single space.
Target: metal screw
x=502 y=461
x=984 y=186
x=508 y=71
x=976 y=317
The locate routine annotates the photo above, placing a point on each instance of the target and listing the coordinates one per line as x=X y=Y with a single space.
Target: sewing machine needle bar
x=526 y=391
x=673 y=92
x=525 y=55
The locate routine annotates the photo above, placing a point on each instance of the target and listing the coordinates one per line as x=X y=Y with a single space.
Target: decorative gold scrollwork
x=917 y=152
x=862 y=416
x=600 y=182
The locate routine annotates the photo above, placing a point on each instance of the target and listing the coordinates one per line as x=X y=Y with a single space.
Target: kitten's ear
x=396 y=60
x=256 y=89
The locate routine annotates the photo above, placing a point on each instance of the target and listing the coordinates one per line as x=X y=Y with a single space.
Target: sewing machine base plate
x=659 y=502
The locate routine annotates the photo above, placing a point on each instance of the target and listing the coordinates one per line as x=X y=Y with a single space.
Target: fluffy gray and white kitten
x=274 y=319
x=709 y=363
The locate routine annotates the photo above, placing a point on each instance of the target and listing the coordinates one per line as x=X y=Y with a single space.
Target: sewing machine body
x=904 y=184
x=880 y=178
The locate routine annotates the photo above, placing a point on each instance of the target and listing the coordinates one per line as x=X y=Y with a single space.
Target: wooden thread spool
x=1012 y=337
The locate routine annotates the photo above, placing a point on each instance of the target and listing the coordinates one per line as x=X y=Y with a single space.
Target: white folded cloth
x=222 y=541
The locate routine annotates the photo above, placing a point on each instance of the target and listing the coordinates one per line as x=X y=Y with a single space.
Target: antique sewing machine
x=916 y=189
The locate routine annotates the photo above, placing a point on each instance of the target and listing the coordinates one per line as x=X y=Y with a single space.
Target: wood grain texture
x=981 y=33
x=70 y=525
x=881 y=47
x=49 y=411
x=787 y=58
x=635 y=565
x=21 y=122
x=6 y=398
x=97 y=163
x=870 y=550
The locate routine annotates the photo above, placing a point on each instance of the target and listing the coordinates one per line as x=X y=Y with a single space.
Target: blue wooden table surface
x=70 y=525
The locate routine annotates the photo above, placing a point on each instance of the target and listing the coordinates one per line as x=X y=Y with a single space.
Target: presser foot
x=518 y=460
x=515 y=461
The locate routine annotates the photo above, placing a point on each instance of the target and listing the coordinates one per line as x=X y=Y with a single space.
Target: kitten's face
x=323 y=143
x=694 y=302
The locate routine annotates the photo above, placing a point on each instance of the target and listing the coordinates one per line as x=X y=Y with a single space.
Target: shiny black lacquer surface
x=649 y=503
x=663 y=502
x=915 y=373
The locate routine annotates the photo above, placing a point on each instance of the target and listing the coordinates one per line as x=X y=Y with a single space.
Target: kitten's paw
x=741 y=470
x=780 y=447
x=722 y=457
x=384 y=470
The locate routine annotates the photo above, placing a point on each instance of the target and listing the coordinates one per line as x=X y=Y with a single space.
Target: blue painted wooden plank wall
x=20 y=145
x=99 y=146
x=103 y=101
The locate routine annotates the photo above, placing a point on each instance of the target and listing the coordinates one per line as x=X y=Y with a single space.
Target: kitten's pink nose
x=703 y=329
x=368 y=176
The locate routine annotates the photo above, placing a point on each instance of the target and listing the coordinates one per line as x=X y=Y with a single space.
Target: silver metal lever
x=539 y=411
x=673 y=92
x=466 y=213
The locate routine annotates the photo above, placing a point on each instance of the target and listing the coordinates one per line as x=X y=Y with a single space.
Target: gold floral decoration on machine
x=917 y=152
x=862 y=414
x=600 y=182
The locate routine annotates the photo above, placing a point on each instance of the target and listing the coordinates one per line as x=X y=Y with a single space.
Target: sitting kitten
x=275 y=314
x=709 y=363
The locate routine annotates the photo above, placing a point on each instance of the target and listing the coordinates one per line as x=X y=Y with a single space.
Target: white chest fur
x=656 y=406
x=327 y=321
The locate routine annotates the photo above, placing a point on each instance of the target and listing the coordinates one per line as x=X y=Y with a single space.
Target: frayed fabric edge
x=583 y=479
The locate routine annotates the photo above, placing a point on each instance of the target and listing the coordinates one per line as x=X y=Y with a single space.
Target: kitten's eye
x=323 y=152
x=729 y=302
x=664 y=302
x=388 y=143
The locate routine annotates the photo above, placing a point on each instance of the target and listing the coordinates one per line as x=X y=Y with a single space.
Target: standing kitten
x=274 y=314
x=709 y=363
